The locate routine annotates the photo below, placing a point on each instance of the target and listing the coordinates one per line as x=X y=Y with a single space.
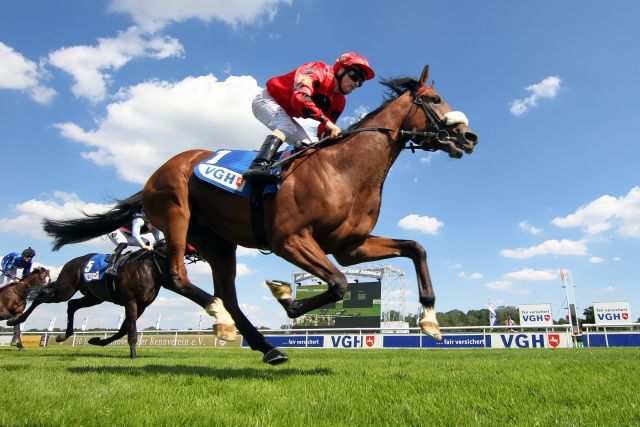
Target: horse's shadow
x=203 y=371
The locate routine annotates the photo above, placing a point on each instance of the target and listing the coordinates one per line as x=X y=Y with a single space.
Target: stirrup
x=260 y=173
x=111 y=271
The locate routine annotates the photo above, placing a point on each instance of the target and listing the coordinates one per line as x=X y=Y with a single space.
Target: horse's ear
x=424 y=76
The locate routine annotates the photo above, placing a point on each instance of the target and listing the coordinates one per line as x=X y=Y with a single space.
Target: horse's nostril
x=470 y=136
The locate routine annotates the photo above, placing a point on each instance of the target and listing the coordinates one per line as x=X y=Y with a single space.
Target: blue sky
x=95 y=95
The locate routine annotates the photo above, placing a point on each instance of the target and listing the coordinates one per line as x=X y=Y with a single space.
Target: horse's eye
x=436 y=100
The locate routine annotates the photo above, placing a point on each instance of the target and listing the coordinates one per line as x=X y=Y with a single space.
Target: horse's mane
x=396 y=86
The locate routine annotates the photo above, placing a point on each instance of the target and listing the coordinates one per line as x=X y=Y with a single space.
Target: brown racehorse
x=135 y=287
x=328 y=203
x=13 y=299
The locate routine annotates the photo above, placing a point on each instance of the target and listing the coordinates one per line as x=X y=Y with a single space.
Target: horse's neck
x=374 y=151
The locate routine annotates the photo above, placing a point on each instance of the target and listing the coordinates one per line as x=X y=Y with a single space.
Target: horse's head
x=438 y=127
x=39 y=276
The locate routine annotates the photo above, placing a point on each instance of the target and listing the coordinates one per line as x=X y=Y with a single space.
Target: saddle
x=95 y=268
x=224 y=169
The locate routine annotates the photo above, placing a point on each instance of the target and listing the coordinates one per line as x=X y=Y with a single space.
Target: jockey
x=314 y=90
x=131 y=235
x=13 y=261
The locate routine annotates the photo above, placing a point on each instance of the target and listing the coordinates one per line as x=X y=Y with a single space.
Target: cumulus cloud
x=605 y=213
x=423 y=224
x=596 y=260
x=91 y=66
x=553 y=247
x=156 y=120
x=153 y=15
x=20 y=73
x=529 y=274
x=524 y=225
x=472 y=276
x=61 y=205
x=547 y=88
x=506 y=286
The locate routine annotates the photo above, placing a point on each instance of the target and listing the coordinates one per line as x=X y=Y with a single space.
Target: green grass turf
x=232 y=387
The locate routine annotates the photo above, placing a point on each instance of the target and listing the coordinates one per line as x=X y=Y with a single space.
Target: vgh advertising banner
x=535 y=314
x=612 y=312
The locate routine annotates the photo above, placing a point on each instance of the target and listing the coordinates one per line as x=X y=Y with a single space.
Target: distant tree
x=589 y=315
x=150 y=328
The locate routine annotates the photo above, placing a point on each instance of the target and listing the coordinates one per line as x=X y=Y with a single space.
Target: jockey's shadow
x=204 y=371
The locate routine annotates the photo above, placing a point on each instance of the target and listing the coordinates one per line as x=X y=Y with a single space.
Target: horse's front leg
x=304 y=252
x=376 y=248
x=73 y=306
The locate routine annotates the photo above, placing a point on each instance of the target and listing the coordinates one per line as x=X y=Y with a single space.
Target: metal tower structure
x=392 y=281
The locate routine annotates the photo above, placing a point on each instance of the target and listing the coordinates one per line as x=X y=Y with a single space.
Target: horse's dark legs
x=131 y=317
x=17 y=339
x=376 y=248
x=73 y=306
x=307 y=254
x=54 y=292
x=222 y=257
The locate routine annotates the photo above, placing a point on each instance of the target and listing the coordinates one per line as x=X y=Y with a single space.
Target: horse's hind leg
x=73 y=306
x=17 y=339
x=221 y=254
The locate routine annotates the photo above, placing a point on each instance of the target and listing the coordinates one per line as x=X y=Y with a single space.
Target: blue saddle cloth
x=95 y=268
x=225 y=168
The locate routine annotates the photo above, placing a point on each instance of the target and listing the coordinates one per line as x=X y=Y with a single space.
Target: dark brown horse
x=13 y=299
x=135 y=287
x=328 y=203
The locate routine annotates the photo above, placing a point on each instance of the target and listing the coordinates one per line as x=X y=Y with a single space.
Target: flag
x=562 y=275
x=84 y=323
x=119 y=322
x=52 y=323
x=493 y=317
x=158 y=321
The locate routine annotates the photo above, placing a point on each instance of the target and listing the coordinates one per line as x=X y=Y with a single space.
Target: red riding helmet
x=355 y=60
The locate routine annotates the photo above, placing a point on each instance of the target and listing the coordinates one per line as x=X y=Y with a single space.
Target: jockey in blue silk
x=13 y=261
x=131 y=235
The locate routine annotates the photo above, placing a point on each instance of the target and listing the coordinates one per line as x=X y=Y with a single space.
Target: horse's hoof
x=94 y=341
x=431 y=329
x=61 y=338
x=226 y=332
x=279 y=289
x=275 y=357
x=21 y=348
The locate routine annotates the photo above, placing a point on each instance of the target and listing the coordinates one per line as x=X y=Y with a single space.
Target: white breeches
x=119 y=236
x=273 y=116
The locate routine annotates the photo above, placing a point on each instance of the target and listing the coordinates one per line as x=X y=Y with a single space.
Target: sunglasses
x=355 y=77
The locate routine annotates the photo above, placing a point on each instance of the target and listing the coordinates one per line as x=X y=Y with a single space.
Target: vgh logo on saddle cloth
x=225 y=168
x=96 y=266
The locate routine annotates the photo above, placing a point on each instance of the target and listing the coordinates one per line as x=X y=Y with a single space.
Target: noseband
x=430 y=140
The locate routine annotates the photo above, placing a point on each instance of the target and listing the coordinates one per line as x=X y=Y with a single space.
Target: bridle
x=431 y=140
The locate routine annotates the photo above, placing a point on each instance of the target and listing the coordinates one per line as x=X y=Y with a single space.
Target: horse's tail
x=92 y=225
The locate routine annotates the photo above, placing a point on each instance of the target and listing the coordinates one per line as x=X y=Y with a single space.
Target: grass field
x=232 y=387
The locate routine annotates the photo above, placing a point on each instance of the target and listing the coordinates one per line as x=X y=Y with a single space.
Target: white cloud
x=500 y=285
x=359 y=112
x=596 y=260
x=554 y=247
x=90 y=66
x=616 y=259
x=60 y=206
x=524 y=225
x=547 y=88
x=20 y=73
x=153 y=15
x=472 y=276
x=156 y=120
x=607 y=290
x=506 y=286
x=423 y=224
x=605 y=213
x=530 y=274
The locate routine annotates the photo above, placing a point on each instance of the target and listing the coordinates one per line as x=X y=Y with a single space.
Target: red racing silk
x=308 y=92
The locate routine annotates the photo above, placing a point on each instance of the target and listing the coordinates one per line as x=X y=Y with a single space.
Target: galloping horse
x=135 y=287
x=13 y=299
x=328 y=203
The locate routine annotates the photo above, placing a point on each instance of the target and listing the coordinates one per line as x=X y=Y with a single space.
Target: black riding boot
x=259 y=169
x=111 y=270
